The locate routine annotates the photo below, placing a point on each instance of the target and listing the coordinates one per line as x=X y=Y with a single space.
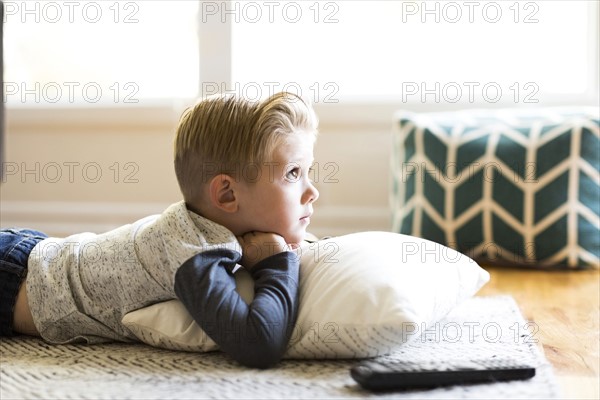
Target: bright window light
x=99 y=52
x=136 y=52
x=378 y=50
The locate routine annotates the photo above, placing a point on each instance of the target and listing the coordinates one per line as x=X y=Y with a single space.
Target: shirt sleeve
x=255 y=334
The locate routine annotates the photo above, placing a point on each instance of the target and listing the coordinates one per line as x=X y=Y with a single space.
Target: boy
x=243 y=169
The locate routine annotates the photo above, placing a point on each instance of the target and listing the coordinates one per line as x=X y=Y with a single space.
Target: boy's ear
x=222 y=193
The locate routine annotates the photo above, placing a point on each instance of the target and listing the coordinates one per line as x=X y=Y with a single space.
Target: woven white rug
x=481 y=327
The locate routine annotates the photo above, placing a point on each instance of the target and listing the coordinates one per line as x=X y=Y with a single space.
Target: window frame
x=216 y=65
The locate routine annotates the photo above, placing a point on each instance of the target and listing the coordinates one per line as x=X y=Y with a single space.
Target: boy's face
x=280 y=199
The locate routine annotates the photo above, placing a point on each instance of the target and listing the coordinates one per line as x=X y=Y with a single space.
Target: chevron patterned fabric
x=511 y=186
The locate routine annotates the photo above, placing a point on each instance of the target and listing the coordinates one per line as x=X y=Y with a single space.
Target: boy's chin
x=295 y=239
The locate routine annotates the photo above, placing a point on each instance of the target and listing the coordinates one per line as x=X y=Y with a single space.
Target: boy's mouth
x=306 y=218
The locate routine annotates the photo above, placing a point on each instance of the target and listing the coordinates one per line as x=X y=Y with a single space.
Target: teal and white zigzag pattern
x=501 y=186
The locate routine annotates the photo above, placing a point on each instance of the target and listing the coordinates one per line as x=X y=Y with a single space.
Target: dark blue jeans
x=15 y=246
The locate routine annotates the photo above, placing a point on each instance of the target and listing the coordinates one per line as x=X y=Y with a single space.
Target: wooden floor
x=565 y=306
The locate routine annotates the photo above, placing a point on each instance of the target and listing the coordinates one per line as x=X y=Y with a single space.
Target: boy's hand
x=256 y=246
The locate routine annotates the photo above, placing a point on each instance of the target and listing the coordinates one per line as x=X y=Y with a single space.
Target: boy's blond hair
x=225 y=133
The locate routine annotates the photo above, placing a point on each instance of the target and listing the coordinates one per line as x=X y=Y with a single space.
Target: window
x=100 y=52
x=338 y=52
x=439 y=51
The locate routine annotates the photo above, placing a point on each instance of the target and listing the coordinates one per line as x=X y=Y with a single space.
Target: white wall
x=53 y=160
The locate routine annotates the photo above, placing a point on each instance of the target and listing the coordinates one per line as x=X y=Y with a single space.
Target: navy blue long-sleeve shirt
x=254 y=334
x=81 y=287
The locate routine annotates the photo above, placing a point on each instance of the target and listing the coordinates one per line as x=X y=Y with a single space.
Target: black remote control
x=397 y=374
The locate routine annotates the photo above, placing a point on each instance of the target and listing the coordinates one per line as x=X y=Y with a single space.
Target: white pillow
x=361 y=295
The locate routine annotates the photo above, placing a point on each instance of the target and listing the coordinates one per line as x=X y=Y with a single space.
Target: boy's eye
x=293 y=174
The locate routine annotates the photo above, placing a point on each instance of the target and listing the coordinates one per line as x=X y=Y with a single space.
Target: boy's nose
x=313 y=193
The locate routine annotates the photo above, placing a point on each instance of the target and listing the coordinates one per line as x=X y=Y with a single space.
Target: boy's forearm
x=256 y=335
